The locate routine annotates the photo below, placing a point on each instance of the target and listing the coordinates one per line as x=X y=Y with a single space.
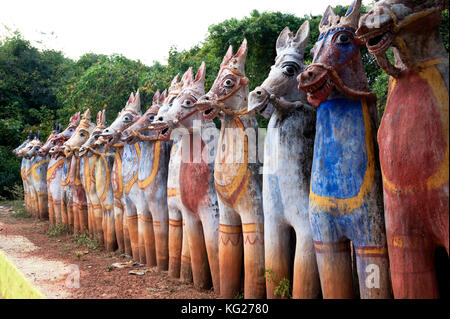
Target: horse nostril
x=258 y=92
x=160 y=118
x=207 y=98
x=310 y=74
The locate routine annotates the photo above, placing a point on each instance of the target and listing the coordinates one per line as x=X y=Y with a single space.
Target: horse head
x=129 y=114
x=230 y=89
x=337 y=69
x=404 y=25
x=282 y=79
x=17 y=150
x=183 y=111
x=140 y=130
x=95 y=135
x=80 y=136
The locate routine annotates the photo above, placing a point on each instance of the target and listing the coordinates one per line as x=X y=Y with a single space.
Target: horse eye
x=343 y=38
x=152 y=117
x=96 y=137
x=82 y=134
x=126 y=118
x=229 y=83
x=289 y=70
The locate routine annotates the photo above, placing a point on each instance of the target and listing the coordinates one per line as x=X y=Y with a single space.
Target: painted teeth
x=322 y=84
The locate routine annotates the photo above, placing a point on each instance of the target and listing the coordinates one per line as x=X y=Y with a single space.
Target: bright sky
x=138 y=29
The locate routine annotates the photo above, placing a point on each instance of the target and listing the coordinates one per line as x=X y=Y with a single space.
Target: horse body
x=413 y=139
x=71 y=150
x=53 y=177
x=36 y=174
x=237 y=179
x=130 y=238
x=199 y=207
x=288 y=153
x=345 y=201
x=66 y=189
x=19 y=152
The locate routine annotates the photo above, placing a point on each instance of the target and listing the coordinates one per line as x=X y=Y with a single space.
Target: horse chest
x=130 y=165
x=149 y=164
x=194 y=181
x=231 y=171
x=413 y=135
x=343 y=165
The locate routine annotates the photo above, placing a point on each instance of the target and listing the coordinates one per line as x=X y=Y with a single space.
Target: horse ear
x=227 y=56
x=201 y=73
x=137 y=101
x=156 y=97
x=302 y=37
x=188 y=77
x=162 y=97
x=87 y=115
x=38 y=135
x=130 y=99
x=326 y=19
x=175 y=80
x=283 y=38
x=242 y=52
x=351 y=17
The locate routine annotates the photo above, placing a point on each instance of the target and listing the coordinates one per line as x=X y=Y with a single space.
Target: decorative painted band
x=253 y=228
x=185 y=259
x=230 y=229
x=334 y=247
x=13 y=284
x=175 y=223
x=371 y=251
x=145 y=219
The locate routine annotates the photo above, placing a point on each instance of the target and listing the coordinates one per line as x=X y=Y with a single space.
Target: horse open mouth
x=165 y=133
x=319 y=91
x=210 y=113
x=378 y=40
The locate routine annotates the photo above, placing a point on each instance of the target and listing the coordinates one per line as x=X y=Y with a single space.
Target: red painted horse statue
x=413 y=138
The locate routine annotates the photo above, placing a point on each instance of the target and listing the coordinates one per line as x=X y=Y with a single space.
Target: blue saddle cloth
x=340 y=153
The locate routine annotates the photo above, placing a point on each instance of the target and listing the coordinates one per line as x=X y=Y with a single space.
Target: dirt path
x=52 y=264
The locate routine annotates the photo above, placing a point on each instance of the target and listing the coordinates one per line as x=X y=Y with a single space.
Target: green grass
x=17 y=206
x=83 y=240
x=57 y=230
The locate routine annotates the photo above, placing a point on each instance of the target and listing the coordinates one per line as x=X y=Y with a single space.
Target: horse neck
x=418 y=47
x=353 y=76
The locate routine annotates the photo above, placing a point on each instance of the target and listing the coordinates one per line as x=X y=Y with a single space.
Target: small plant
x=283 y=288
x=239 y=296
x=108 y=268
x=57 y=230
x=84 y=240
x=78 y=255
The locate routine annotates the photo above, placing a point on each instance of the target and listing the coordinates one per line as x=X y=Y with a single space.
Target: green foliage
x=84 y=240
x=57 y=230
x=283 y=288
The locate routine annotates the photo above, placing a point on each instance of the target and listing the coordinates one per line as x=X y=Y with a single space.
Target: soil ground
x=49 y=261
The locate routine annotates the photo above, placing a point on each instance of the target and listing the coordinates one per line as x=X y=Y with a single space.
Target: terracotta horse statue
x=413 y=138
x=19 y=152
x=288 y=154
x=199 y=208
x=71 y=148
x=237 y=179
x=36 y=173
x=66 y=189
x=102 y=175
x=128 y=168
x=53 y=177
x=345 y=202
x=179 y=253
x=152 y=181
x=89 y=156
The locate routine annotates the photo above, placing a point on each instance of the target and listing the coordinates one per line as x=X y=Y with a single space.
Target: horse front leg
x=159 y=211
x=210 y=223
x=186 y=265
x=230 y=252
x=118 y=223
x=199 y=259
x=175 y=241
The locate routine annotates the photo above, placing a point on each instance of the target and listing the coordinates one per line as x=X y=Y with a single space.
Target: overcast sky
x=138 y=29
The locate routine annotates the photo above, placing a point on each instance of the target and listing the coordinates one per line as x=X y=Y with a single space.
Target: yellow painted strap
x=131 y=182
x=253 y=228
x=145 y=219
x=13 y=284
x=52 y=169
x=149 y=179
x=33 y=171
x=230 y=229
x=118 y=162
x=347 y=205
x=107 y=176
x=172 y=192
x=371 y=250
x=175 y=223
